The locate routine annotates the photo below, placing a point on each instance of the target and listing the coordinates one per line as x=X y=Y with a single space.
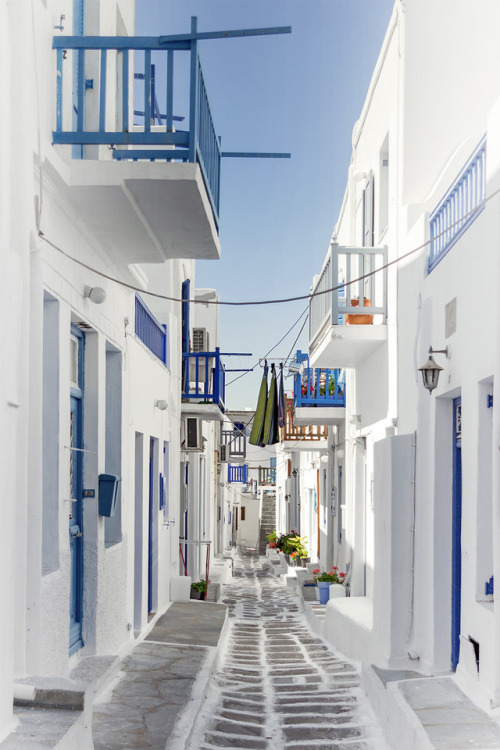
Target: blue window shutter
x=185 y=316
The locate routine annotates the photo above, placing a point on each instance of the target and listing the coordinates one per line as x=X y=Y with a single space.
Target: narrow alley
x=278 y=685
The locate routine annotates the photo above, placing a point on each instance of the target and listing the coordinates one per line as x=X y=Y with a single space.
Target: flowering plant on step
x=333 y=576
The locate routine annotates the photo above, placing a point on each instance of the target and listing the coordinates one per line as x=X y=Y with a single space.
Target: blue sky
x=299 y=93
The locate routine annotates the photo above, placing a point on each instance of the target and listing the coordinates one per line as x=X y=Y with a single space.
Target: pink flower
x=316 y=571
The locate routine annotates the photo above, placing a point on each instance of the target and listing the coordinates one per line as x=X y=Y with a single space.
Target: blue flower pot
x=324 y=591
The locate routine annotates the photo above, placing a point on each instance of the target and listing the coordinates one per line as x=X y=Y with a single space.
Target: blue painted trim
x=456 y=542
x=125 y=94
x=102 y=93
x=237 y=474
x=180 y=138
x=489 y=587
x=150 y=155
x=147 y=91
x=170 y=89
x=185 y=295
x=150 y=524
x=193 y=99
x=490 y=401
x=207 y=374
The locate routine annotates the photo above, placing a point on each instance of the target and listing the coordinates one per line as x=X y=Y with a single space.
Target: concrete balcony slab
x=318 y=415
x=143 y=212
x=345 y=346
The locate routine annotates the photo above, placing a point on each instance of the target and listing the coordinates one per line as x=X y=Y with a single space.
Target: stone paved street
x=276 y=684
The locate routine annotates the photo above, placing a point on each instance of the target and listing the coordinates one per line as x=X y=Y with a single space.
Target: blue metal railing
x=204 y=377
x=348 y=274
x=320 y=387
x=150 y=331
x=461 y=205
x=105 y=68
x=237 y=473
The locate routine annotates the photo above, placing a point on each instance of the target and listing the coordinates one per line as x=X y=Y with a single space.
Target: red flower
x=334 y=567
x=316 y=571
x=342 y=575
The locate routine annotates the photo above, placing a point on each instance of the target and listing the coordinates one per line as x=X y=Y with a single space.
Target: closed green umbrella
x=271 y=430
x=257 y=433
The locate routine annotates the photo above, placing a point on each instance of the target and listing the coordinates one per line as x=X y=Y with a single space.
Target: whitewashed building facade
x=415 y=477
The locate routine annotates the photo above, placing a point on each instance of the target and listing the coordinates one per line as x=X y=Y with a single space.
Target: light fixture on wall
x=161 y=404
x=430 y=371
x=324 y=459
x=96 y=294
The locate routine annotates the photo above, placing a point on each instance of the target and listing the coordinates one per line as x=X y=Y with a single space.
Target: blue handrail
x=150 y=331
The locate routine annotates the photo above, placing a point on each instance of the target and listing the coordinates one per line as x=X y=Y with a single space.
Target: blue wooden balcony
x=319 y=386
x=204 y=379
x=123 y=92
x=343 y=331
x=237 y=474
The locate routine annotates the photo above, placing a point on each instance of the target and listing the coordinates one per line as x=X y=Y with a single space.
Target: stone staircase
x=267 y=520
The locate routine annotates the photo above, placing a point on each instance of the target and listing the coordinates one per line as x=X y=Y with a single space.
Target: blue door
x=456 y=532
x=76 y=485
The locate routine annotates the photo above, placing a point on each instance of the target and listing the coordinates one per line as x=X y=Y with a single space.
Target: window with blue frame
x=460 y=206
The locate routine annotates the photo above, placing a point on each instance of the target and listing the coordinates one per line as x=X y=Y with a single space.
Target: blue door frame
x=456 y=534
x=150 y=524
x=76 y=484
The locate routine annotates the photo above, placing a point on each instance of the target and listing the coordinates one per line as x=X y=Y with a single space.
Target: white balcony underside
x=305 y=445
x=143 y=212
x=208 y=412
x=318 y=415
x=346 y=346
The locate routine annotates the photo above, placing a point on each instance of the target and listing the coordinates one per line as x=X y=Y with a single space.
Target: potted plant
x=272 y=539
x=199 y=590
x=324 y=581
x=352 y=319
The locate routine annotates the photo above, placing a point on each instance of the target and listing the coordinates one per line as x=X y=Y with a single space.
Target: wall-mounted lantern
x=430 y=371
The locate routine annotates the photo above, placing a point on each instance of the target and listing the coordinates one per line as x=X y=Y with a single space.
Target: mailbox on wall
x=109 y=486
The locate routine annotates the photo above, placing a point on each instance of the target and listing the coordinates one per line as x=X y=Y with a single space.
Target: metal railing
x=116 y=80
x=320 y=387
x=349 y=274
x=237 y=473
x=203 y=377
x=236 y=441
x=267 y=476
x=150 y=331
x=460 y=206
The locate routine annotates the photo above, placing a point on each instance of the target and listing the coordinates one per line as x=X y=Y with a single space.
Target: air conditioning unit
x=224 y=454
x=192 y=435
x=201 y=341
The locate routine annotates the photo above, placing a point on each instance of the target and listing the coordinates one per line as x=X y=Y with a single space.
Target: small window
x=73 y=366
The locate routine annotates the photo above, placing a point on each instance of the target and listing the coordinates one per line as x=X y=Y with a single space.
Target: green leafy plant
x=200 y=586
x=272 y=537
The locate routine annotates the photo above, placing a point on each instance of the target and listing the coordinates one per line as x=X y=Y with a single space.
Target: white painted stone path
x=277 y=685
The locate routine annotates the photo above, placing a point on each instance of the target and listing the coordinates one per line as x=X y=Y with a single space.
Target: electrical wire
x=310 y=296
x=272 y=349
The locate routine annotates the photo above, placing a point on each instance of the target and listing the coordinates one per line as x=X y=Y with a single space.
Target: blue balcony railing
x=348 y=275
x=150 y=331
x=112 y=97
x=237 y=473
x=203 y=378
x=461 y=205
x=320 y=386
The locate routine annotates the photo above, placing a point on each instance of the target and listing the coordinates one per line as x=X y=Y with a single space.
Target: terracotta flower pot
x=352 y=319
